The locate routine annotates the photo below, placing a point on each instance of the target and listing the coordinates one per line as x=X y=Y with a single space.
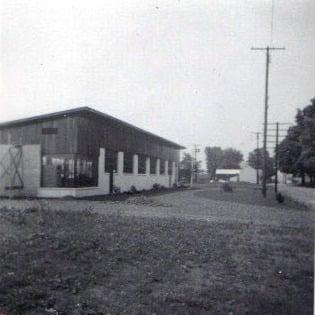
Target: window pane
x=128 y=161
x=152 y=165
x=49 y=131
x=162 y=167
x=141 y=164
x=86 y=172
x=110 y=160
x=170 y=167
x=69 y=171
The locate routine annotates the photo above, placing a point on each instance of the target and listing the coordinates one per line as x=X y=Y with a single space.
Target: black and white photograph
x=157 y=157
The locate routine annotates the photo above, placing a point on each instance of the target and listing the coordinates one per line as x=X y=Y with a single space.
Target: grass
x=86 y=263
x=247 y=194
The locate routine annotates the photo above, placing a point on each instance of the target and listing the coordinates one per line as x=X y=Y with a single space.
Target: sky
x=182 y=69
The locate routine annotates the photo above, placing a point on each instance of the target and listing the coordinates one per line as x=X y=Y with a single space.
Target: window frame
x=128 y=163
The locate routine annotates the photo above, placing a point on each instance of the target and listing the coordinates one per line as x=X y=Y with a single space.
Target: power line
x=276 y=138
x=271 y=26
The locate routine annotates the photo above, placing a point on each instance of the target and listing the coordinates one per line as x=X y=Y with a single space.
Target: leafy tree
x=213 y=157
x=187 y=166
x=289 y=153
x=218 y=158
x=307 y=140
x=231 y=159
x=297 y=150
x=256 y=161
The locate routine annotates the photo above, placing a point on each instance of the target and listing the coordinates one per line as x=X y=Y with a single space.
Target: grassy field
x=58 y=262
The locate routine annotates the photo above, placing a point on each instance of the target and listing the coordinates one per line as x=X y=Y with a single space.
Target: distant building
x=228 y=174
x=245 y=174
x=82 y=152
x=248 y=174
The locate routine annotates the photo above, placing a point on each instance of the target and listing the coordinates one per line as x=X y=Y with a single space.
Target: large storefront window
x=68 y=170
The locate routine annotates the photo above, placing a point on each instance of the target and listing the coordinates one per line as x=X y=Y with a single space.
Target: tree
x=306 y=161
x=256 y=161
x=289 y=151
x=187 y=166
x=213 y=157
x=218 y=158
x=297 y=150
x=231 y=159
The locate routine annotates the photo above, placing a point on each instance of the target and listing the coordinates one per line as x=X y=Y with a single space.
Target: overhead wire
x=271 y=24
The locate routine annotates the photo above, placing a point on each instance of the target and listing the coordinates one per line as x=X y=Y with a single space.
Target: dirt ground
x=188 y=252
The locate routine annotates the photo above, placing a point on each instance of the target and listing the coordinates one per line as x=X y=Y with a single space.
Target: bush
x=156 y=186
x=116 y=190
x=133 y=189
x=226 y=187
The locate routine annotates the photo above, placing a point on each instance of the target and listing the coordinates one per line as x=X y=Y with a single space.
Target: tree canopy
x=187 y=166
x=297 y=150
x=216 y=157
x=256 y=161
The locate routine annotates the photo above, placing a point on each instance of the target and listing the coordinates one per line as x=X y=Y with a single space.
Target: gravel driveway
x=201 y=203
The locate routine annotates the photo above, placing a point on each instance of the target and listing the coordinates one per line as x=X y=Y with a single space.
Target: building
x=249 y=174
x=82 y=152
x=228 y=174
x=245 y=174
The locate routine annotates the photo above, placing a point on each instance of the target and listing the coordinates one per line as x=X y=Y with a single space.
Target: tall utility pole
x=257 y=156
x=267 y=49
x=277 y=156
x=193 y=176
x=275 y=139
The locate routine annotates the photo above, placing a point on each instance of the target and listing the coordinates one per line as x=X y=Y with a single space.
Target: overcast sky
x=182 y=69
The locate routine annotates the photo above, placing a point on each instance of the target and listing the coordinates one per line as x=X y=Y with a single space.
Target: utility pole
x=277 y=137
x=257 y=155
x=193 y=176
x=267 y=49
x=277 y=156
x=257 y=158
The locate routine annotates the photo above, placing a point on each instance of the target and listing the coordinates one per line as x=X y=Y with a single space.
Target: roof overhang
x=88 y=110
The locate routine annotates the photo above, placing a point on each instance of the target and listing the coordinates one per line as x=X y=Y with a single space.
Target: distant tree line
x=297 y=150
x=217 y=158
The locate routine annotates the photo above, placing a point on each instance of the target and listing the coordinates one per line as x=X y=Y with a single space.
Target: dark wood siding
x=64 y=142
x=84 y=134
x=93 y=134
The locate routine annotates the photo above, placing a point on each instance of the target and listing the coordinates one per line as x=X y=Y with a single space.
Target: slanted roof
x=84 y=110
